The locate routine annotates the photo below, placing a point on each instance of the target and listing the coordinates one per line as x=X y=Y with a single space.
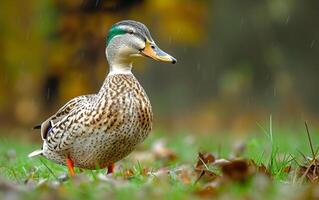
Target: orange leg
x=70 y=165
x=110 y=169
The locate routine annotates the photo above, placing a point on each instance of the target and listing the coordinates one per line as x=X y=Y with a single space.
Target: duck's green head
x=129 y=39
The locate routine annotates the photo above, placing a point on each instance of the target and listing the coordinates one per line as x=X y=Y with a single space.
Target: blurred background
x=238 y=61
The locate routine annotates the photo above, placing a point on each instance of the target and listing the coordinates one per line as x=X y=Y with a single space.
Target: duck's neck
x=119 y=63
x=120 y=68
x=117 y=66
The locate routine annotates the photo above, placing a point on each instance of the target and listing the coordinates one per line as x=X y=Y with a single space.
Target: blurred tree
x=237 y=60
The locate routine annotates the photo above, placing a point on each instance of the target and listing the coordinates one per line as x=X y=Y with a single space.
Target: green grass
x=276 y=149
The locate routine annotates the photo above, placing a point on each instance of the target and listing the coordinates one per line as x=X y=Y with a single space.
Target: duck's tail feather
x=37 y=127
x=37 y=152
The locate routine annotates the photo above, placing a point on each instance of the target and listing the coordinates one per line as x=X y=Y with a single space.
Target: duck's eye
x=130 y=31
x=152 y=46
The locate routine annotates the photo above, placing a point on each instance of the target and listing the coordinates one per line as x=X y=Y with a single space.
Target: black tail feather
x=37 y=127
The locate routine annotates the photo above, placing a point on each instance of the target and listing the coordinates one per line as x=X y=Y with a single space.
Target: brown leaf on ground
x=201 y=168
x=310 y=171
x=237 y=170
x=206 y=176
x=288 y=169
x=145 y=171
x=262 y=169
x=204 y=159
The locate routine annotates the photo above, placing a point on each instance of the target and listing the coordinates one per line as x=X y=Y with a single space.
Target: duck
x=97 y=130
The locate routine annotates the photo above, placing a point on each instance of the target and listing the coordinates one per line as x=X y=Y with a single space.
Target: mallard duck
x=95 y=131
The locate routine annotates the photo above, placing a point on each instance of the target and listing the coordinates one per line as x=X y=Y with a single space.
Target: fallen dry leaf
x=311 y=172
x=206 y=176
x=310 y=169
x=204 y=159
x=145 y=171
x=262 y=169
x=202 y=170
x=288 y=169
x=237 y=170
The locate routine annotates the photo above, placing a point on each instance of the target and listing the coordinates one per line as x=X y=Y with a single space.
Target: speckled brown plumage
x=100 y=129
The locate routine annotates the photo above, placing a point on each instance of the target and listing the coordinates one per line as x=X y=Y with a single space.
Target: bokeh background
x=239 y=62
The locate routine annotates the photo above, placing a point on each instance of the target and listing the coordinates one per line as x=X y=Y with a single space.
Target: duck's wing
x=47 y=125
x=77 y=123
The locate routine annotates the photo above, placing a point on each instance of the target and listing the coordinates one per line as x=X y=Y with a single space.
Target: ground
x=268 y=164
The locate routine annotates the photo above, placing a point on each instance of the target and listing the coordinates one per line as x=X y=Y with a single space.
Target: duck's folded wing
x=47 y=125
x=71 y=127
x=80 y=123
